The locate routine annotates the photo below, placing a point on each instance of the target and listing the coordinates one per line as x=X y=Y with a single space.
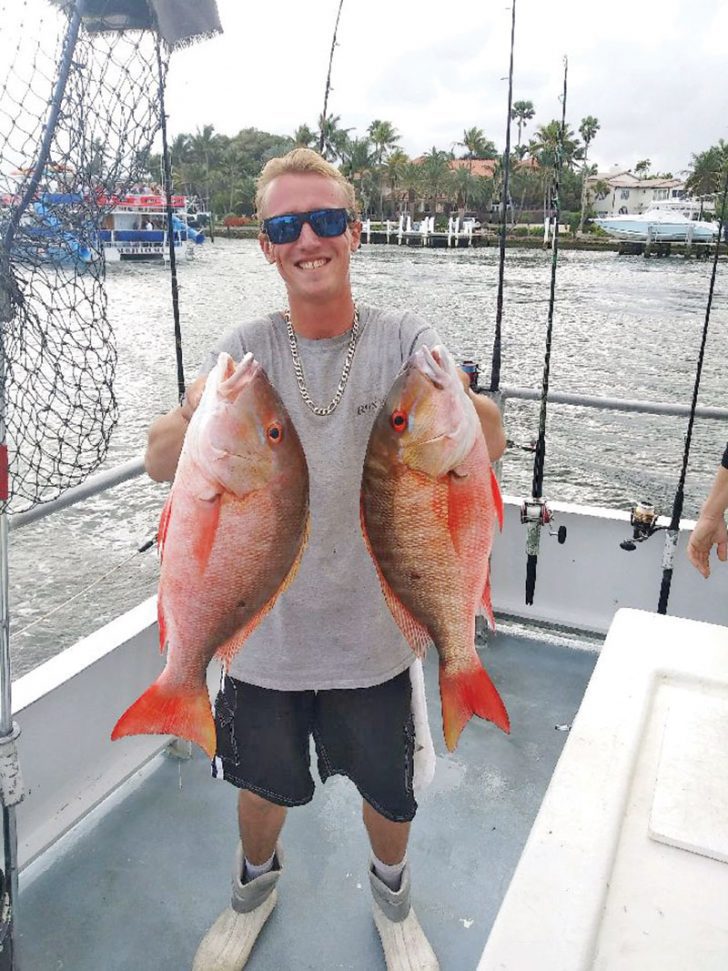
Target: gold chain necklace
x=298 y=366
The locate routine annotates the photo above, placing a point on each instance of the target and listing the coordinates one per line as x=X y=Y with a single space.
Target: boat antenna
x=673 y=531
x=322 y=136
x=495 y=367
x=167 y=173
x=535 y=512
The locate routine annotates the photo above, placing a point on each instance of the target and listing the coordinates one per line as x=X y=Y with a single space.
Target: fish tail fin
x=166 y=710
x=467 y=693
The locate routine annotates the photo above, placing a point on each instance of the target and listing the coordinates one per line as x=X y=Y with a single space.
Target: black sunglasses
x=324 y=222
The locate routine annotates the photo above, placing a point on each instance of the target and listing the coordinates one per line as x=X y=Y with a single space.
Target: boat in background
x=664 y=224
x=136 y=228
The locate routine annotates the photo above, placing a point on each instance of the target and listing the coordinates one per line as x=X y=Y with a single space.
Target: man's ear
x=267 y=247
x=355 y=235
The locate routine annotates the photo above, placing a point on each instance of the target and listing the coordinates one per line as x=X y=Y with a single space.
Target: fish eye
x=398 y=420
x=274 y=432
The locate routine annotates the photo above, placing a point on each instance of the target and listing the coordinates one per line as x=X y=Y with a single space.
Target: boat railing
x=103 y=481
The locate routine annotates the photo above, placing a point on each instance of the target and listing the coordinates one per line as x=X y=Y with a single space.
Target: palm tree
x=334 y=138
x=544 y=147
x=357 y=160
x=707 y=172
x=395 y=171
x=436 y=174
x=476 y=145
x=587 y=129
x=465 y=187
x=642 y=168
x=411 y=182
x=384 y=137
x=204 y=149
x=522 y=111
x=304 y=137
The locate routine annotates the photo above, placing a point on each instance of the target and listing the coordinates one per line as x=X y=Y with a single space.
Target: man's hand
x=709 y=531
x=167 y=434
x=490 y=419
x=192 y=397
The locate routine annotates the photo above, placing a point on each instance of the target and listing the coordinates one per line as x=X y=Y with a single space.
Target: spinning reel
x=643 y=520
x=536 y=512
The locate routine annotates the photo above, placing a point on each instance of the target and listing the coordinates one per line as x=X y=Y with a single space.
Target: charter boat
x=135 y=228
x=124 y=847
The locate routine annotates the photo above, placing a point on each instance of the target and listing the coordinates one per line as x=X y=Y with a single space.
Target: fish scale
x=429 y=503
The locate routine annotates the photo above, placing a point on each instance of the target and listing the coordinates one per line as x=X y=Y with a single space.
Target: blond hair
x=301 y=160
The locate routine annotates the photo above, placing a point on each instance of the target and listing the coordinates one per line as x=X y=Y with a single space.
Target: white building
x=628 y=194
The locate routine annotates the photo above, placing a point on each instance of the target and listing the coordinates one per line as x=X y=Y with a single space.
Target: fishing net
x=78 y=113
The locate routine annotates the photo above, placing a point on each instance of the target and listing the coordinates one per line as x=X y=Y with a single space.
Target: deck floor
x=142 y=883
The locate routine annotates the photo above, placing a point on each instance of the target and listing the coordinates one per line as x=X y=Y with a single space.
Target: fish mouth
x=436 y=365
x=236 y=378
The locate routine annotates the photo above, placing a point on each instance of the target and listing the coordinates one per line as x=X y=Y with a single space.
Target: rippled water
x=623 y=326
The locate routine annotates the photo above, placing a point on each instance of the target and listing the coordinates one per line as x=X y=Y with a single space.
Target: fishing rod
x=673 y=530
x=167 y=165
x=322 y=138
x=535 y=512
x=495 y=367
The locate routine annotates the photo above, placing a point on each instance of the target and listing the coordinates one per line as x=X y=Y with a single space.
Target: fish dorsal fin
x=164 y=524
x=497 y=497
x=415 y=633
x=227 y=651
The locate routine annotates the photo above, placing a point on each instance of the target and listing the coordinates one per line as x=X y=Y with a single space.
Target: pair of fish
x=235 y=526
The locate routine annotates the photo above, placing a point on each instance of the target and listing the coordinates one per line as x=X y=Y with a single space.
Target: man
x=328 y=659
x=710 y=529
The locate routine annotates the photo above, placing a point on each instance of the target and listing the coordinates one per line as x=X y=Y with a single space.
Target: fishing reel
x=472 y=370
x=643 y=520
x=536 y=512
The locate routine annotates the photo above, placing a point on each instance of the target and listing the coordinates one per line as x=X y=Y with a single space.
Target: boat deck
x=139 y=882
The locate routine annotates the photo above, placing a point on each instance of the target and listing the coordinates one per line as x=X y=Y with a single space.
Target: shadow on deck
x=138 y=884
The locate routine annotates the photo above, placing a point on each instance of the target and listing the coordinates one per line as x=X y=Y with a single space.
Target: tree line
x=220 y=170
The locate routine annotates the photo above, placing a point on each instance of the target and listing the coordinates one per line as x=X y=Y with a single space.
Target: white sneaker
x=405 y=946
x=228 y=943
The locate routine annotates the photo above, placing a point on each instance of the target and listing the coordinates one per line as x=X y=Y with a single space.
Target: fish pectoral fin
x=167 y=710
x=466 y=693
x=207 y=519
x=459 y=472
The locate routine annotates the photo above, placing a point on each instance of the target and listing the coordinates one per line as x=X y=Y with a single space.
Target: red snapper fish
x=231 y=538
x=429 y=502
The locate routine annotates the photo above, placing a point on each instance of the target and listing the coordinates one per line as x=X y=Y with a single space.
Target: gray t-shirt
x=331 y=628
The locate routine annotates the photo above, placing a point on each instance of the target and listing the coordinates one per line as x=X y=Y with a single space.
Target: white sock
x=253 y=870
x=389 y=873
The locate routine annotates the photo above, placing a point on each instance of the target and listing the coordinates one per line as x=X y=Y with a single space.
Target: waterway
x=623 y=327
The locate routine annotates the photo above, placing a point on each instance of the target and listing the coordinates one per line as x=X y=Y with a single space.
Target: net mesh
x=78 y=114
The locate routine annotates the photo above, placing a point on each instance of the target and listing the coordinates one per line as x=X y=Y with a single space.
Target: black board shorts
x=366 y=734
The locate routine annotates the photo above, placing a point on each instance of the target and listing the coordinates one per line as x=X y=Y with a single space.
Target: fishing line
x=82 y=593
x=673 y=530
x=167 y=167
x=534 y=529
x=495 y=367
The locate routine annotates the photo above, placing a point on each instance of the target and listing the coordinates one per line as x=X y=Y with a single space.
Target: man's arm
x=710 y=529
x=166 y=435
x=490 y=419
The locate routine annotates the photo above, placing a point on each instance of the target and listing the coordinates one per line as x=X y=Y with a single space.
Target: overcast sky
x=652 y=71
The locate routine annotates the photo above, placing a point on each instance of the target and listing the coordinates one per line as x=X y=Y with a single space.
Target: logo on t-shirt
x=371 y=406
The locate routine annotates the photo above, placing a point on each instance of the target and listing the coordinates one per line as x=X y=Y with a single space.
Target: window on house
x=624 y=194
